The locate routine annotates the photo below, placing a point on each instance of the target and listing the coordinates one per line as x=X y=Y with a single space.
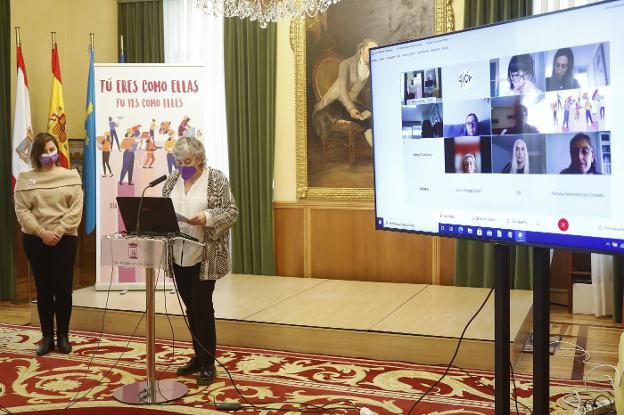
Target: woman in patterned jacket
x=203 y=200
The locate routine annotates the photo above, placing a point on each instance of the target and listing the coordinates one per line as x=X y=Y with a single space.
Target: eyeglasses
x=517 y=76
x=471 y=123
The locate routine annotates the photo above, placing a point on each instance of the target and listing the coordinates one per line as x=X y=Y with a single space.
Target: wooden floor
x=389 y=321
x=392 y=317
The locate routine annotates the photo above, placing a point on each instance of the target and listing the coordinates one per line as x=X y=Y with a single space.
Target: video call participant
x=48 y=206
x=581 y=156
x=519 y=163
x=521 y=77
x=471 y=126
x=562 y=72
x=469 y=163
x=203 y=195
x=521 y=114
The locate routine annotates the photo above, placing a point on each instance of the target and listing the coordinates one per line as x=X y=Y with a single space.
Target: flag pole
x=53 y=39
x=121 y=43
x=18 y=39
x=92 y=41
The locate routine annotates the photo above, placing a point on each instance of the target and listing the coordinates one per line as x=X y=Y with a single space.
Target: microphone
x=157 y=181
x=153 y=183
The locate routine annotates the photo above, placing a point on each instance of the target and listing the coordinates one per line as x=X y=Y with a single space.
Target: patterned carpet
x=47 y=385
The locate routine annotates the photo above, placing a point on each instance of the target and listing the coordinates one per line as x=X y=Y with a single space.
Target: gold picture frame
x=443 y=21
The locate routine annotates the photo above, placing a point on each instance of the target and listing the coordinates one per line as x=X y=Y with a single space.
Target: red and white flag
x=22 y=125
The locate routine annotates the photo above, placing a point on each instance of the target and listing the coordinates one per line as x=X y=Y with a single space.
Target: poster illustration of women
x=141 y=110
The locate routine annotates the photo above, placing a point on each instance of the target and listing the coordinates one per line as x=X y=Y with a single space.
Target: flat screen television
x=508 y=132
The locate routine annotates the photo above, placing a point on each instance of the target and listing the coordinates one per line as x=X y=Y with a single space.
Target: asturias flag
x=22 y=124
x=89 y=171
x=56 y=114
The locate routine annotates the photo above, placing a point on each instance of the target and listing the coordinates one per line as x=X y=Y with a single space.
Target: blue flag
x=89 y=171
x=122 y=58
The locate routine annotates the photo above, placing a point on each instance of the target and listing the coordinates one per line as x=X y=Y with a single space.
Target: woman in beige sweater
x=48 y=205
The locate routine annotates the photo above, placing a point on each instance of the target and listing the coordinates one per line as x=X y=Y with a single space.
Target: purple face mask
x=48 y=159
x=187 y=172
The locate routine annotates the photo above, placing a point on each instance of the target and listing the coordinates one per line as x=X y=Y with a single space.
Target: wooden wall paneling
x=345 y=245
x=21 y=268
x=446 y=260
x=289 y=223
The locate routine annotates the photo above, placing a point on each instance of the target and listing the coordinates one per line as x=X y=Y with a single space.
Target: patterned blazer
x=216 y=261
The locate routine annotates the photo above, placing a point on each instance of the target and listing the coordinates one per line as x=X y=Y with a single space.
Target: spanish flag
x=56 y=117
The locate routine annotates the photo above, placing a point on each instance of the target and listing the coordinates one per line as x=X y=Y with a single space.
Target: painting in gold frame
x=339 y=165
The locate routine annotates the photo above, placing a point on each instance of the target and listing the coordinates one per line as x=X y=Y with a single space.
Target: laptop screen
x=157 y=215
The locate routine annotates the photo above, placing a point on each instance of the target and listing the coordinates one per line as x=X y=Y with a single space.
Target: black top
x=554 y=84
x=569 y=170
x=523 y=129
x=507 y=169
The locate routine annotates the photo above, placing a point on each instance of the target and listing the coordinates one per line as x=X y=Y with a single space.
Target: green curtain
x=141 y=24
x=481 y=12
x=250 y=71
x=7 y=261
x=474 y=261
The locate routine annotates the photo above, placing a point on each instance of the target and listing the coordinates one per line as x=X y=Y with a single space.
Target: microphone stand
x=151 y=184
x=138 y=227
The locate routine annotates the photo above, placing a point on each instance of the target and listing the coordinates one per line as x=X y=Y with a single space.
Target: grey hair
x=189 y=147
x=365 y=42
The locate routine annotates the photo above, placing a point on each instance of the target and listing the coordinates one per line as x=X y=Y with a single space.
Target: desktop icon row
x=481 y=232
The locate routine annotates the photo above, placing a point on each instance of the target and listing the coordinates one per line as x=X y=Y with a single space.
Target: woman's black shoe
x=46 y=345
x=63 y=344
x=206 y=376
x=192 y=366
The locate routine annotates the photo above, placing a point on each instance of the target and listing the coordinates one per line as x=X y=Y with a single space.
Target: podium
x=149 y=253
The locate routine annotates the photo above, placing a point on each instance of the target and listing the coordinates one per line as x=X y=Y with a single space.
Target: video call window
x=543 y=105
x=421 y=86
x=579 y=153
x=585 y=66
x=511 y=116
x=531 y=74
x=468 y=155
x=519 y=154
x=519 y=75
x=422 y=121
x=467 y=118
x=559 y=112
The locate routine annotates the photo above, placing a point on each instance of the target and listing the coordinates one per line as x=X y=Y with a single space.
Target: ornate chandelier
x=264 y=11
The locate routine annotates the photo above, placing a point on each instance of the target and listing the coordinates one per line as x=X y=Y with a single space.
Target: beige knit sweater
x=49 y=200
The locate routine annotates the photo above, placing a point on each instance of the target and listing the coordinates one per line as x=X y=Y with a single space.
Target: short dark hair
x=520 y=63
x=38 y=146
x=474 y=115
x=582 y=136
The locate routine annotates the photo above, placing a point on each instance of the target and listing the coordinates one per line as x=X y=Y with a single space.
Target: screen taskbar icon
x=495 y=234
x=530 y=237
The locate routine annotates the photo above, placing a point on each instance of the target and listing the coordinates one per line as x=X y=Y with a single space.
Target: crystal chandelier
x=264 y=11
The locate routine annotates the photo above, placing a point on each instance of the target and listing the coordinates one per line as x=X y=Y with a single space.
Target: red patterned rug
x=269 y=379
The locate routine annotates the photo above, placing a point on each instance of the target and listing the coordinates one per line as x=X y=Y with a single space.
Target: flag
x=89 y=171
x=122 y=58
x=56 y=114
x=22 y=124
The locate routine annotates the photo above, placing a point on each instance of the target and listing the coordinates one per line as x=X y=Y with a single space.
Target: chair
x=341 y=132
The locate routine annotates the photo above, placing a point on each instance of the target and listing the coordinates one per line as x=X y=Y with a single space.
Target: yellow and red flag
x=56 y=117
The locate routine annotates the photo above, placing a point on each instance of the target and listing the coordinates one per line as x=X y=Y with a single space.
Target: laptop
x=158 y=216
